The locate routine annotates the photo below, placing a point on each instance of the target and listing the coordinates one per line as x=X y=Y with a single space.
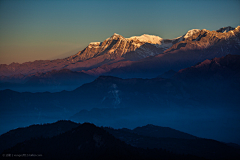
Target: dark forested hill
x=88 y=142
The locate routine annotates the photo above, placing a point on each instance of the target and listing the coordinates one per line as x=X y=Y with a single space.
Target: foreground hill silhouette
x=88 y=142
x=18 y=135
x=69 y=140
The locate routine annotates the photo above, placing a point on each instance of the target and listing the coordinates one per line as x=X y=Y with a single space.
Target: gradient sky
x=39 y=29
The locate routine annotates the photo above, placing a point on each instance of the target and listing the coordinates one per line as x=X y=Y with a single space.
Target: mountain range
x=145 y=56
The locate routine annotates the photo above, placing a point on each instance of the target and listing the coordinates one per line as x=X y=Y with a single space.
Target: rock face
x=117 y=46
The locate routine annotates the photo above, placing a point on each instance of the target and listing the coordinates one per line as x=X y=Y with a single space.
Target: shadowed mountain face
x=219 y=74
x=161 y=132
x=71 y=140
x=219 y=68
x=88 y=142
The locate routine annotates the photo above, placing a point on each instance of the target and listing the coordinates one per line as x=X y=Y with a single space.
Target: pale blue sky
x=40 y=29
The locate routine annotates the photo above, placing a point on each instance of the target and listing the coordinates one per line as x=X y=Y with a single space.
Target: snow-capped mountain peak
x=147 y=39
x=116 y=36
x=187 y=35
x=191 y=32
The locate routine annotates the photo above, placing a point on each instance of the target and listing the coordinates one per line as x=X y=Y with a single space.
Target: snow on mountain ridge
x=146 y=38
x=143 y=46
x=95 y=43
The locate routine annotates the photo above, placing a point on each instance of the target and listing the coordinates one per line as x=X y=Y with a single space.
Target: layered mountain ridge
x=211 y=87
x=52 y=81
